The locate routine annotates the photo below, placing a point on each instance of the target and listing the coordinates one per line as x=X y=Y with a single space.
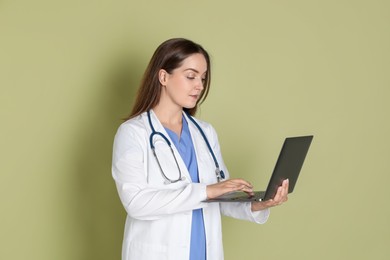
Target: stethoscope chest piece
x=220 y=174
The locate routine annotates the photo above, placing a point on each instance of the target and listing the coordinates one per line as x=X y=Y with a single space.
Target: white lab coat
x=158 y=223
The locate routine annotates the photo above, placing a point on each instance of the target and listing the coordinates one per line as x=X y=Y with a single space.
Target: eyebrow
x=194 y=70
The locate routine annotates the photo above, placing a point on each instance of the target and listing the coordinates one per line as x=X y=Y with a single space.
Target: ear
x=163 y=77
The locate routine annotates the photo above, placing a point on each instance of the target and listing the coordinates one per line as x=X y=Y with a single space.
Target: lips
x=195 y=96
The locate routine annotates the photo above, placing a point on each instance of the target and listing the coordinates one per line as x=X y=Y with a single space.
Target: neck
x=170 y=118
x=167 y=111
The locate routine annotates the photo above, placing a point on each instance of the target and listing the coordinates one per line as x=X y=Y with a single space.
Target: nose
x=199 y=84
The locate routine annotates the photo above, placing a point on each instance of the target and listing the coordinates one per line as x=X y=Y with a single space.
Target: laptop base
x=238 y=196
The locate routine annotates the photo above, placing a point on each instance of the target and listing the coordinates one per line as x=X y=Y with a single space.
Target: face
x=182 y=87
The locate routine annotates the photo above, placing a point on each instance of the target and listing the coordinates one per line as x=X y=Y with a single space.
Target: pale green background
x=69 y=70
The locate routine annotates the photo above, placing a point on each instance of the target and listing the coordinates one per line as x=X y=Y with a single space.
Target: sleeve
x=142 y=200
x=236 y=210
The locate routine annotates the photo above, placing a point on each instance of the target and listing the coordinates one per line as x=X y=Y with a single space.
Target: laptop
x=288 y=166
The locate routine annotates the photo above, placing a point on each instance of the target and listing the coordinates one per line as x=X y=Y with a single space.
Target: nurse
x=166 y=163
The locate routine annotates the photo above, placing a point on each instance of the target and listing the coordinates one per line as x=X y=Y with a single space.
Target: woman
x=163 y=190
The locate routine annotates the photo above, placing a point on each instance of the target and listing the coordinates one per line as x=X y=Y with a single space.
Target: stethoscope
x=218 y=172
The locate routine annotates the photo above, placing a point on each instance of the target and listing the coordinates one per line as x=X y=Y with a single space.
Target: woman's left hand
x=280 y=198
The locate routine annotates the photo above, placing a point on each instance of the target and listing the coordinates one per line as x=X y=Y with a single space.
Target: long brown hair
x=168 y=56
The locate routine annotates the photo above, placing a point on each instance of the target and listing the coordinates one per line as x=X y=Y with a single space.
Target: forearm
x=148 y=203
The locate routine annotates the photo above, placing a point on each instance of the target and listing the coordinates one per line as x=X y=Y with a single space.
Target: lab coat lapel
x=204 y=159
x=168 y=156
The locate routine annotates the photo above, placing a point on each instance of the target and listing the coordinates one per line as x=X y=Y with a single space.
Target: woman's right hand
x=223 y=187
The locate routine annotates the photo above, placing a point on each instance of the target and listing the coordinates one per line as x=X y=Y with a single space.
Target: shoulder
x=203 y=124
x=206 y=127
x=135 y=123
x=130 y=136
x=132 y=128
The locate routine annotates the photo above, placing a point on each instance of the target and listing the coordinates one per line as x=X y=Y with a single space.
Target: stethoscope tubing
x=219 y=173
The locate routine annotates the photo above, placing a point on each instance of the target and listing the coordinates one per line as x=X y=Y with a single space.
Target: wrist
x=258 y=206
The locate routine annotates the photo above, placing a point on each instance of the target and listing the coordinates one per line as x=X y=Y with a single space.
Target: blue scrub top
x=187 y=153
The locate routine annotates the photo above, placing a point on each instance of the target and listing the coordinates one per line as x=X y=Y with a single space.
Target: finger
x=244 y=188
x=285 y=186
x=242 y=182
x=280 y=196
x=282 y=191
x=248 y=190
x=238 y=185
x=230 y=186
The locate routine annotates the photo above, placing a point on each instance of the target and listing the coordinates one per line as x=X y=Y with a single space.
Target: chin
x=189 y=106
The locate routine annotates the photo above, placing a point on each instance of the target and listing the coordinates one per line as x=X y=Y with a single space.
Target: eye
x=191 y=77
